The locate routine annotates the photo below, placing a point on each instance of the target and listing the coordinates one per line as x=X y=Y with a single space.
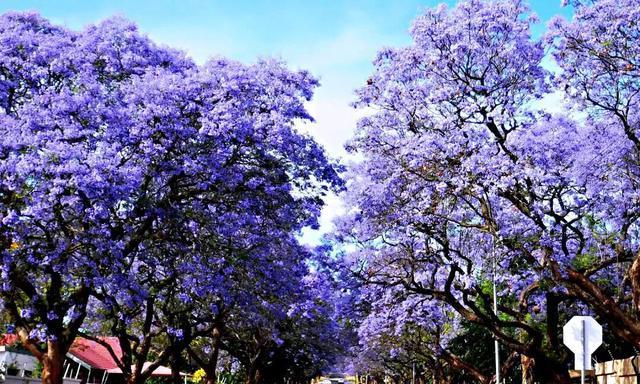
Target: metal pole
x=413 y=374
x=584 y=351
x=496 y=346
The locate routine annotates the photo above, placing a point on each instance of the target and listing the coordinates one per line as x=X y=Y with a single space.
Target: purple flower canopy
x=160 y=201
x=140 y=188
x=463 y=168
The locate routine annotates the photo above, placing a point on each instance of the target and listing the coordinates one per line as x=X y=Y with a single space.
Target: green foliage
x=474 y=345
x=37 y=372
x=227 y=377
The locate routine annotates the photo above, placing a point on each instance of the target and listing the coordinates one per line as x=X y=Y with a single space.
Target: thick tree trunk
x=254 y=376
x=52 y=363
x=553 y=318
x=543 y=370
x=556 y=377
x=210 y=369
x=211 y=376
x=175 y=369
x=133 y=379
x=634 y=278
x=137 y=376
x=250 y=379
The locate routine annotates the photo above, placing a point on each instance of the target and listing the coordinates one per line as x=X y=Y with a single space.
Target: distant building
x=90 y=361
x=14 y=360
x=87 y=361
x=335 y=378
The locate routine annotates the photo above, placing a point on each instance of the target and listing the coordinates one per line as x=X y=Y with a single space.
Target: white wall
x=27 y=380
x=21 y=361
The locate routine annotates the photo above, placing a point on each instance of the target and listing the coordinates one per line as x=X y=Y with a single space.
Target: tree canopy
x=161 y=202
x=468 y=179
x=148 y=198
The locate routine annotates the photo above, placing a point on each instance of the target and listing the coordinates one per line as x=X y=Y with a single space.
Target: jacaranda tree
x=466 y=179
x=117 y=155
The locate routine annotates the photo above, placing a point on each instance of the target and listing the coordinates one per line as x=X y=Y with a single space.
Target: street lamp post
x=413 y=374
x=495 y=311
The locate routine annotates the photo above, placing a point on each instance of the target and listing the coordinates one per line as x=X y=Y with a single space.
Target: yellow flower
x=199 y=376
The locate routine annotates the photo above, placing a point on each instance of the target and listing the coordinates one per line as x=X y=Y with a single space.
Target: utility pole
x=495 y=311
x=585 y=354
x=413 y=374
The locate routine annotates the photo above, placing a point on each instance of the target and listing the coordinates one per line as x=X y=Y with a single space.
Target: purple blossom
x=461 y=167
x=136 y=183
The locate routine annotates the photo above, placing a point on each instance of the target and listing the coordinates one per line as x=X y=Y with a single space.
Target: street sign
x=582 y=335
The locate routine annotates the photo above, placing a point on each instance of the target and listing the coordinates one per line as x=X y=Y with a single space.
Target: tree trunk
x=258 y=376
x=556 y=377
x=527 y=365
x=254 y=376
x=250 y=377
x=175 y=369
x=543 y=370
x=133 y=379
x=438 y=374
x=138 y=375
x=634 y=278
x=210 y=369
x=52 y=363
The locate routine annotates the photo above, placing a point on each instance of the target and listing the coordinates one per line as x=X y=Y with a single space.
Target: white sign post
x=582 y=335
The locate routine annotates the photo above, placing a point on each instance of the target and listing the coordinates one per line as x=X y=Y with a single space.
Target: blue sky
x=334 y=39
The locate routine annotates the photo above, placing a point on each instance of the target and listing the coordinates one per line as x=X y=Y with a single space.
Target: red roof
x=95 y=354
x=8 y=339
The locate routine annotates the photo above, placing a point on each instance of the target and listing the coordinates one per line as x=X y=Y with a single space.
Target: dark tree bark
x=210 y=368
x=52 y=363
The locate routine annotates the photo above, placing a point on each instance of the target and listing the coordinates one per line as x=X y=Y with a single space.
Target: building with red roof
x=15 y=361
x=87 y=361
x=96 y=354
x=8 y=339
x=90 y=361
